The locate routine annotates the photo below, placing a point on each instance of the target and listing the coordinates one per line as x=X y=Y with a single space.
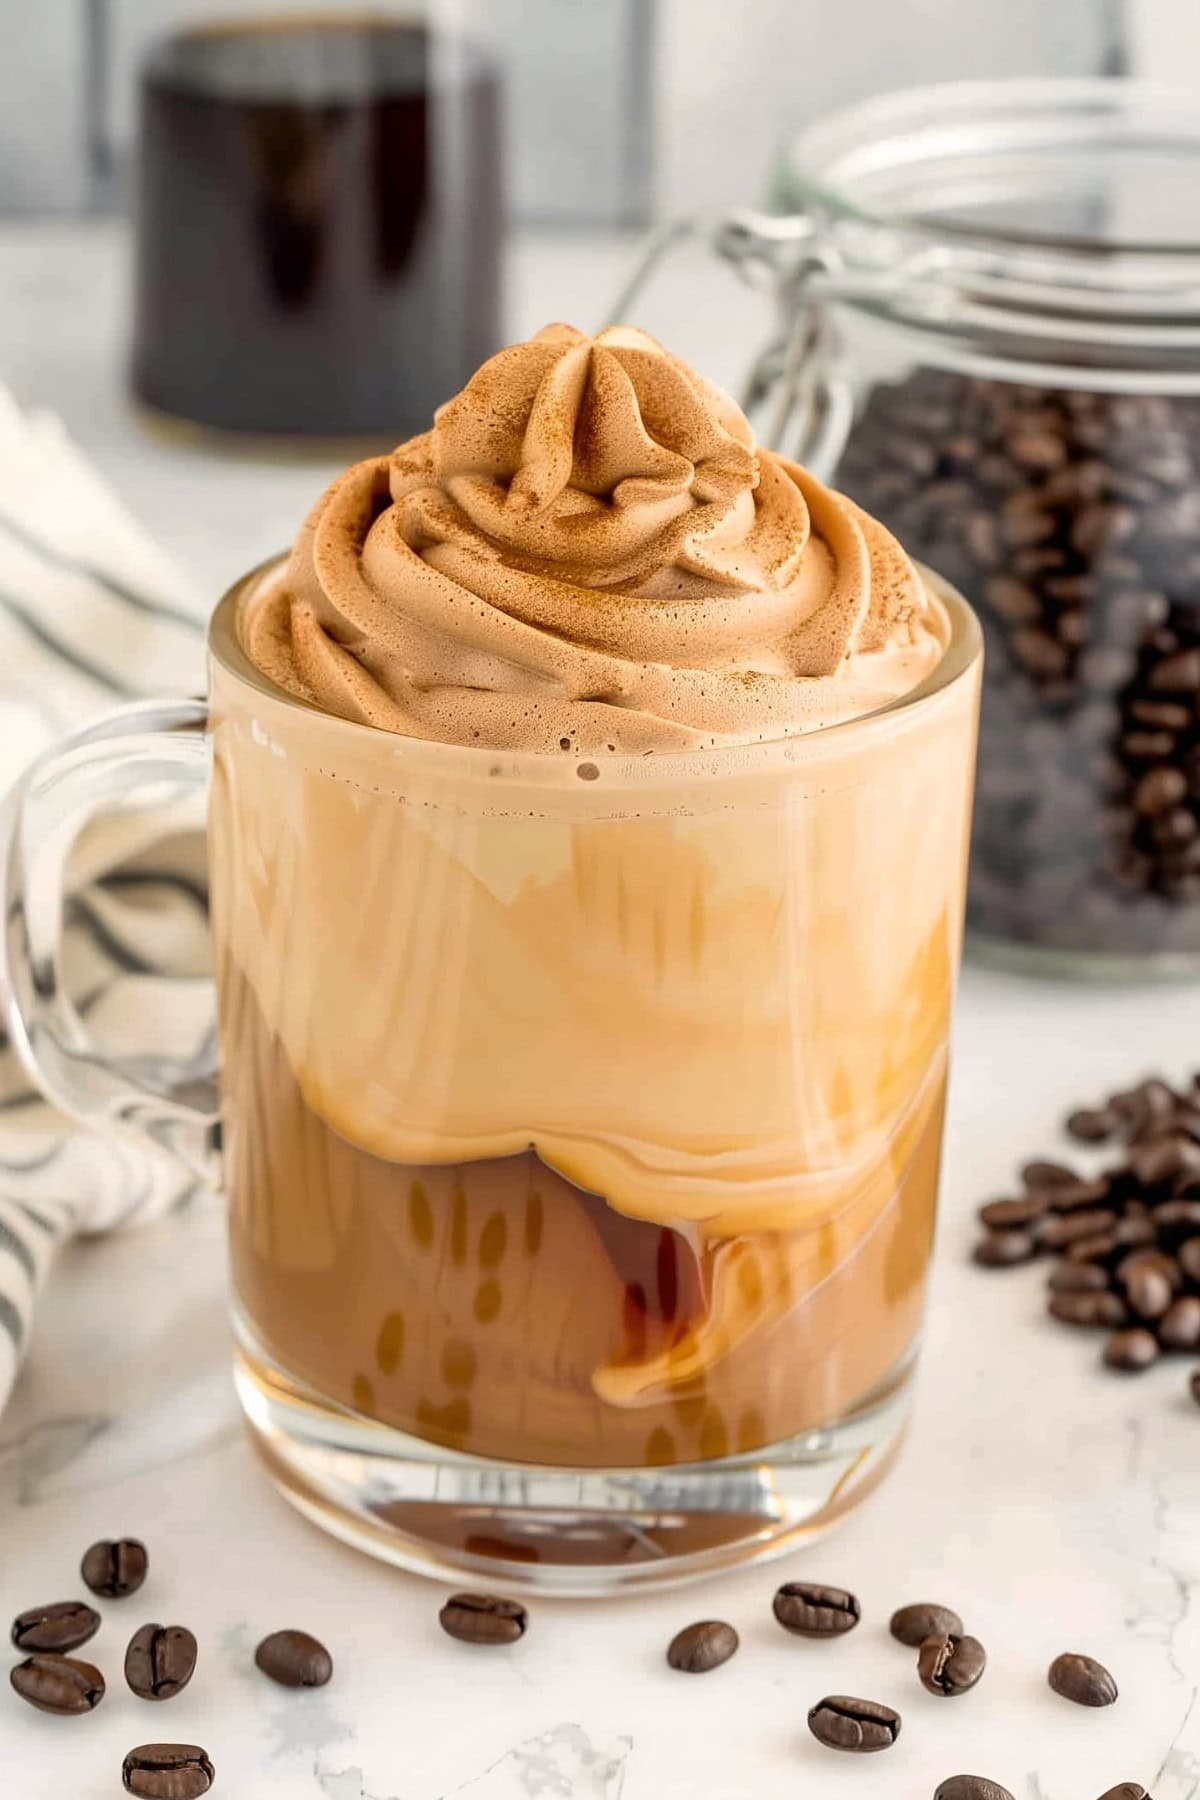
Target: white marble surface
x=1057 y=1507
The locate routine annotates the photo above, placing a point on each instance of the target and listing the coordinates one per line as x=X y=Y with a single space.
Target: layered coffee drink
x=588 y=842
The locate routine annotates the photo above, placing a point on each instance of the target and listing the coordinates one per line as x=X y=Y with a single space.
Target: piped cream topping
x=589 y=553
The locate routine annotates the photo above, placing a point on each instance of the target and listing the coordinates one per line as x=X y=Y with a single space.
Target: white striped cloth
x=92 y=615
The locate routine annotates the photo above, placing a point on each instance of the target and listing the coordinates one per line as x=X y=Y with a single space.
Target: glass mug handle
x=812 y=401
x=129 y=751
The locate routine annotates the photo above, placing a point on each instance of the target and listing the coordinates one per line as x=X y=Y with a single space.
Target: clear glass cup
x=581 y=1122
x=989 y=336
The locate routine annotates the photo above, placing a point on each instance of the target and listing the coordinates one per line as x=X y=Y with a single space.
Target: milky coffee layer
x=589 y=553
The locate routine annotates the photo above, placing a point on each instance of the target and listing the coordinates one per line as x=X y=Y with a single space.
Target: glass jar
x=1008 y=303
x=319 y=216
x=989 y=336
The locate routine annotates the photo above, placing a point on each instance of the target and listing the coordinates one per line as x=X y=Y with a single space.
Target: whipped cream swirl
x=589 y=553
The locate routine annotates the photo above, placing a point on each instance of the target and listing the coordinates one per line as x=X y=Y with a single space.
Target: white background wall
x=731 y=79
x=736 y=76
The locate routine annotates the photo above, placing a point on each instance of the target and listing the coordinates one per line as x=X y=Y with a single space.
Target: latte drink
x=588 y=842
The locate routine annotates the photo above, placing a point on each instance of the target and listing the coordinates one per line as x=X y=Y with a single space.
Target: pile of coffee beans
x=1125 y=1241
x=1071 y=521
x=159 y=1663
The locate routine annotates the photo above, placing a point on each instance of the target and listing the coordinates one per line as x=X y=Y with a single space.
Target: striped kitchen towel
x=91 y=615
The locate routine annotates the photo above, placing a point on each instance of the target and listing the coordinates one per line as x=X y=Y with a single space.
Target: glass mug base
x=558 y=1531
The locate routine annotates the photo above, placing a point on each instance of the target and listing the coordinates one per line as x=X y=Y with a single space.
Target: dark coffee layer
x=473 y=1304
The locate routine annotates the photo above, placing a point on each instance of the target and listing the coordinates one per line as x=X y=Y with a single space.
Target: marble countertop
x=1055 y=1506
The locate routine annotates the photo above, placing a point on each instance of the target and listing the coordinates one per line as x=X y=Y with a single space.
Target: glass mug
x=580 y=1122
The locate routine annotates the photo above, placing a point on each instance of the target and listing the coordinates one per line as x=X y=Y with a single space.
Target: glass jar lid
x=1046 y=222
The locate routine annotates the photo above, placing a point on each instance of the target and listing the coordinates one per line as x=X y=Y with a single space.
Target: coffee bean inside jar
x=995 y=358
x=1071 y=519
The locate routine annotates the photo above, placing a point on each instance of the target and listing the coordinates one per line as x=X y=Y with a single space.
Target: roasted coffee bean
x=1179 y=1329
x=57 y=1628
x=1164 y=1159
x=1126 y=1790
x=1194 y=1387
x=1189 y=1258
x=1149 y=1104
x=58 y=1684
x=1006 y=1215
x=1149 y=1291
x=911 y=1625
x=1179 y=1218
x=168 y=1772
x=1177 y=674
x=1093 y=1249
x=1157 y=1260
x=1092 y=1124
x=161 y=1660
x=1076 y=1196
x=1088 y=1309
x=294 y=1659
x=949 y=1664
x=1003 y=1249
x=115 y=1568
x=1131 y=1351
x=1040 y=1174
x=701 y=1647
x=971 y=1787
x=1068 y=1228
x=810 y=1610
x=1082 y=1679
x=1137 y=1232
x=861 y=1726
x=1077 y=1278
x=484 y=1619
x=1159 y=789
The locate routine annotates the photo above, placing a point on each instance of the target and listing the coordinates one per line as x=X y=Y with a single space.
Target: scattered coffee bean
x=1077 y=1278
x=701 y=1647
x=1088 y=1309
x=949 y=1664
x=810 y=1610
x=860 y=1726
x=1094 y=1249
x=161 y=1660
x=484 y=1619
x=1002 y=1249
x=115 y=1568
x=168 y=1772
x=1180 y=1328
x=1166 y=1266
x=911 y=1625
x=1092 y=1125
x=971 y=1787
x=1006 y=1215
x=1126 y=1790
x=1189 y=1259
x=1074 y=1196
x=1069 y=1228
x=1131 y=1351
x=1083 y=1680
x=1040 y=1175
x=1150 y=1291
x=294 y=1659
x=1194 y=1385
x=58 y=1684
x=57 y=1628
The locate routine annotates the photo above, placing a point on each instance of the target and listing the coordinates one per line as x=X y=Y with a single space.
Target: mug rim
x=546 y=768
